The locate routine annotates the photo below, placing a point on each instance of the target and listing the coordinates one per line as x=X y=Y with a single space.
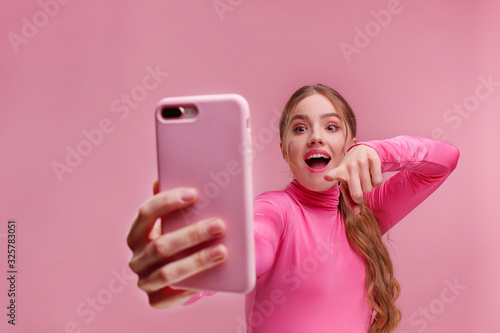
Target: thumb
x=156 y=189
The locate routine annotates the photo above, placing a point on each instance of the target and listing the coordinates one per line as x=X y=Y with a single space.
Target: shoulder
x=277 y=201
x=273 y=197
x=274 y=211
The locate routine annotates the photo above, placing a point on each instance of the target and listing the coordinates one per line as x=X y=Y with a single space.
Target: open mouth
x=317 y=160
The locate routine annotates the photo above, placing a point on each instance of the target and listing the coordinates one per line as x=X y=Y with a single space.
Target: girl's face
x=315 y=141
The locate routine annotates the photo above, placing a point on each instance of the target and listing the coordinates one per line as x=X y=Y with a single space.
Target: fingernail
x=188 y=195
x=214 y=228
x=216 y=253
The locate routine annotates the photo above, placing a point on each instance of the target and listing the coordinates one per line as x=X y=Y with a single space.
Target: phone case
x=211 y=153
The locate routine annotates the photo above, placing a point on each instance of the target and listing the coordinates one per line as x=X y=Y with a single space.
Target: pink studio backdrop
x=84 y=76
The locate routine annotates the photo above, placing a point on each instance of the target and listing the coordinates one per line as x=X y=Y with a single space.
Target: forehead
x=315 y=105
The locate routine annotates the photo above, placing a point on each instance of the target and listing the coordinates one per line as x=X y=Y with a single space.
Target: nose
x=315 y=138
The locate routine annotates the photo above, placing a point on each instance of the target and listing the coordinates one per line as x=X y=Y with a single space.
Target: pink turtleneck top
x=309 y=278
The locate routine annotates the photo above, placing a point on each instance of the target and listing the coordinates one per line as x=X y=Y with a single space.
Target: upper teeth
x=318 y=156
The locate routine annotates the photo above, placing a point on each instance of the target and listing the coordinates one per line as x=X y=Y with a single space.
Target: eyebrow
x=306 y=117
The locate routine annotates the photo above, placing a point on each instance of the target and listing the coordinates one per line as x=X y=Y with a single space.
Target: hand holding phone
x=151 y=249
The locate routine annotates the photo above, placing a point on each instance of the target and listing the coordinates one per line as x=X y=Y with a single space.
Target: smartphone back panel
x=211 y=152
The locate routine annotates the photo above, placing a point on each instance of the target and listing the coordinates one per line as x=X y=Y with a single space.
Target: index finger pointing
x=336 y=174
x=157 y=206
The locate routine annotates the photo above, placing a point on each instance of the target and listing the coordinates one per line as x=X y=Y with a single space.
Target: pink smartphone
x=204 y=142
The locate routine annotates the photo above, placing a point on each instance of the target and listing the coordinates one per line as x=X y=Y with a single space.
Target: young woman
x=321 y=262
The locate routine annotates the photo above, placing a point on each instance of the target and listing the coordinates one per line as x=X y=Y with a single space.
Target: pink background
x=64 y=74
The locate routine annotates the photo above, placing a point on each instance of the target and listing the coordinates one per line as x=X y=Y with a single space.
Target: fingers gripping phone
x=204 y=142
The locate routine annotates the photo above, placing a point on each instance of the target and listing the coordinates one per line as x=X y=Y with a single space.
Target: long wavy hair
x=363 y=231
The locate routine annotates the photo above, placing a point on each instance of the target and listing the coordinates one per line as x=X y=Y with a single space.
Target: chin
x=319 y=185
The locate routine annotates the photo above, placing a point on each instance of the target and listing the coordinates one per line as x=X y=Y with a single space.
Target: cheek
x=293 y=151
x=338 y=152
x=336 y=160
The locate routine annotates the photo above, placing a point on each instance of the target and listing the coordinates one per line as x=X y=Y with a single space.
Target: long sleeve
x=423 y=165
x=269 y=227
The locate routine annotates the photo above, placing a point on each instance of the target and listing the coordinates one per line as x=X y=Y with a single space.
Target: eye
x=299 y=128
x=332 y=127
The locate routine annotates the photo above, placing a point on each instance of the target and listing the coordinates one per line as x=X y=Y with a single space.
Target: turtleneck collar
x=327 y=200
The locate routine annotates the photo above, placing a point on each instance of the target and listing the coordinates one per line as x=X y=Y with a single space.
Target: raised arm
x=423 y=164
x=269 y=227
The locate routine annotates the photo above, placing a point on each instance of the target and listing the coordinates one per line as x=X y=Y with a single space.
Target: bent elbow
x=454 y=155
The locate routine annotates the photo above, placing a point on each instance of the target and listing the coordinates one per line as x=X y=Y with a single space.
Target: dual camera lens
x=179 y=112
